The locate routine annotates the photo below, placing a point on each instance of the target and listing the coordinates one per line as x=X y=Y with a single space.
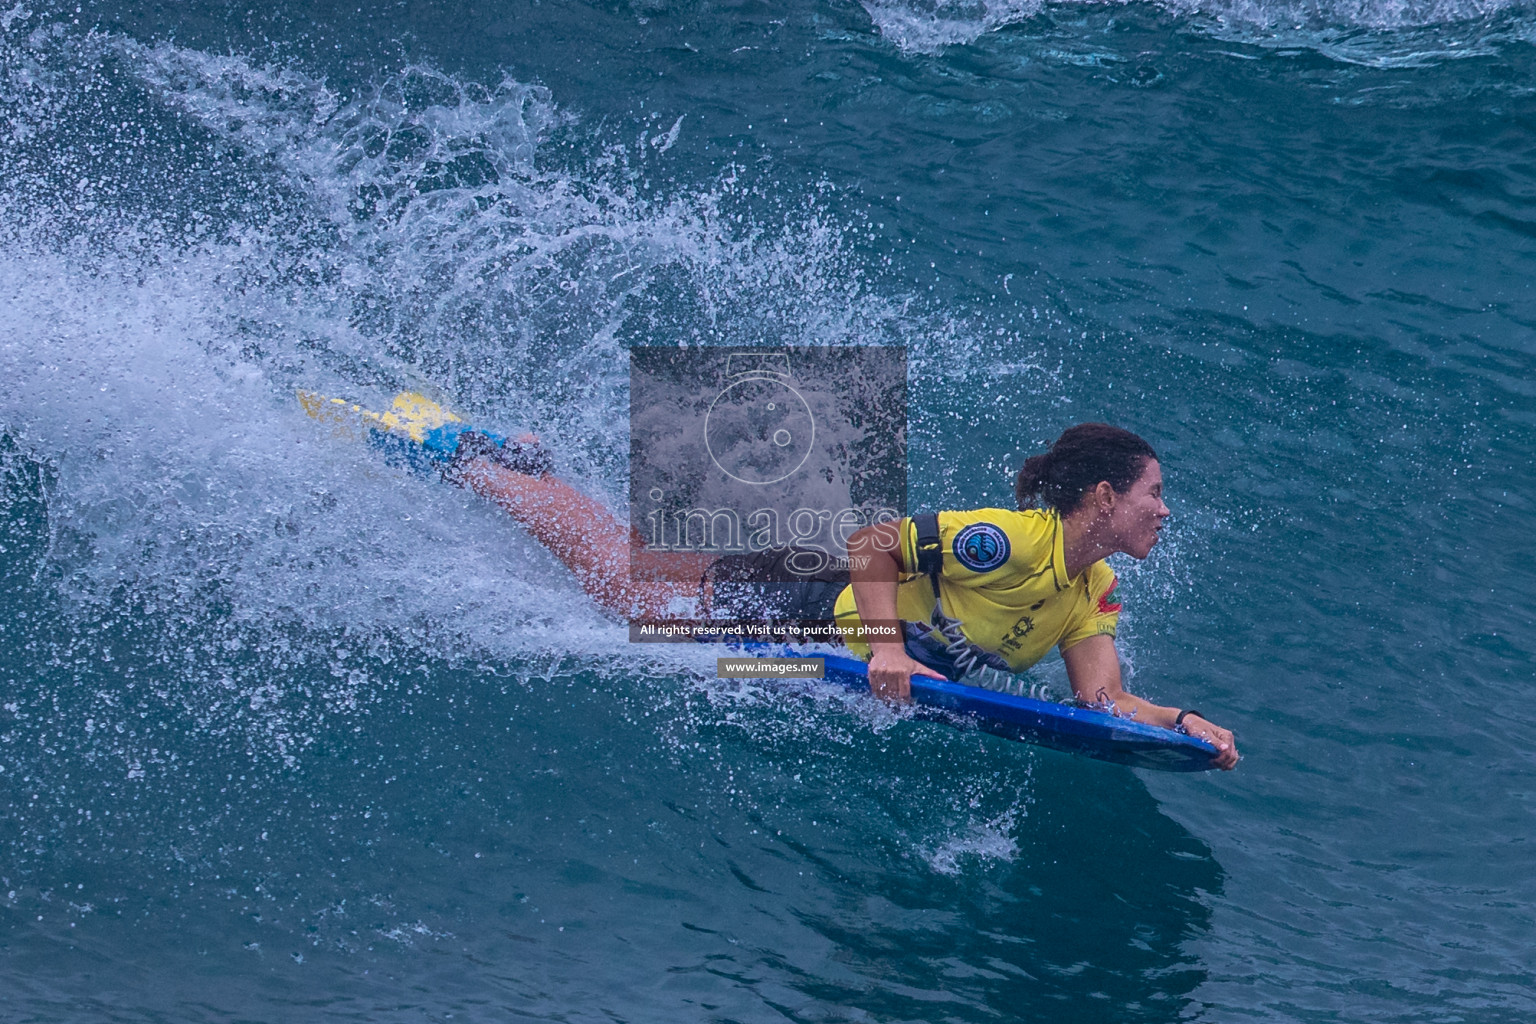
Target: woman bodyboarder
x=1002 y=587
x=993 y=587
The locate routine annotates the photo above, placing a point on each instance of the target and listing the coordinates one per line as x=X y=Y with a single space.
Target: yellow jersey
x=1004 y=578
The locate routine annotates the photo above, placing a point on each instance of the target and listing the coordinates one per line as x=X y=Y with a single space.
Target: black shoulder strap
x=930 y=549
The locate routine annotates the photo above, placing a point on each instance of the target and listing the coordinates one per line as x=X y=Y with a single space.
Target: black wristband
x=1178 y=723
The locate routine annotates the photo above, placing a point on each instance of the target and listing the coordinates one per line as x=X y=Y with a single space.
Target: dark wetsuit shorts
x=777 y=585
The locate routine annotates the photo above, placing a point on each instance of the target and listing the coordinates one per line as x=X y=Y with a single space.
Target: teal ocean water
x=289 y=735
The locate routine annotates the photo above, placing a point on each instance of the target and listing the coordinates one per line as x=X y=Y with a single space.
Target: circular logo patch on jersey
x=981 y=547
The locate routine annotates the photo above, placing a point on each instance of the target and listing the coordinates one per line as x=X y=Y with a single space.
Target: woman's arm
x=1093 y=668
x=874 y=569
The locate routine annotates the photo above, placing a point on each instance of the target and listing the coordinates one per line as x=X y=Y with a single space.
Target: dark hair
x=1082 y=456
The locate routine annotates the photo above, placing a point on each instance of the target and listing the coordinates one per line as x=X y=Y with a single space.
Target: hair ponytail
x=1033 y=479
x=1082 y=457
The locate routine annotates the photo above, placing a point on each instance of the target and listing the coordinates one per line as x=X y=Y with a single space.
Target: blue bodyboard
x=1075 y=730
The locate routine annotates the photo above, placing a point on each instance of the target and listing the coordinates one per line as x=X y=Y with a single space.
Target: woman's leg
x=603 y=553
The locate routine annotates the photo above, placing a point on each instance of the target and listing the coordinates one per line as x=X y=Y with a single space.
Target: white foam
x=151 y=349
x=927 y=26
x=179 y=464
x=990 y=840
x=1333 y=27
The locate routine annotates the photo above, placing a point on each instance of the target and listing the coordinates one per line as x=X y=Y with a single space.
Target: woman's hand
x=891 y=671
x=1226 y=747
x=1093 y=668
